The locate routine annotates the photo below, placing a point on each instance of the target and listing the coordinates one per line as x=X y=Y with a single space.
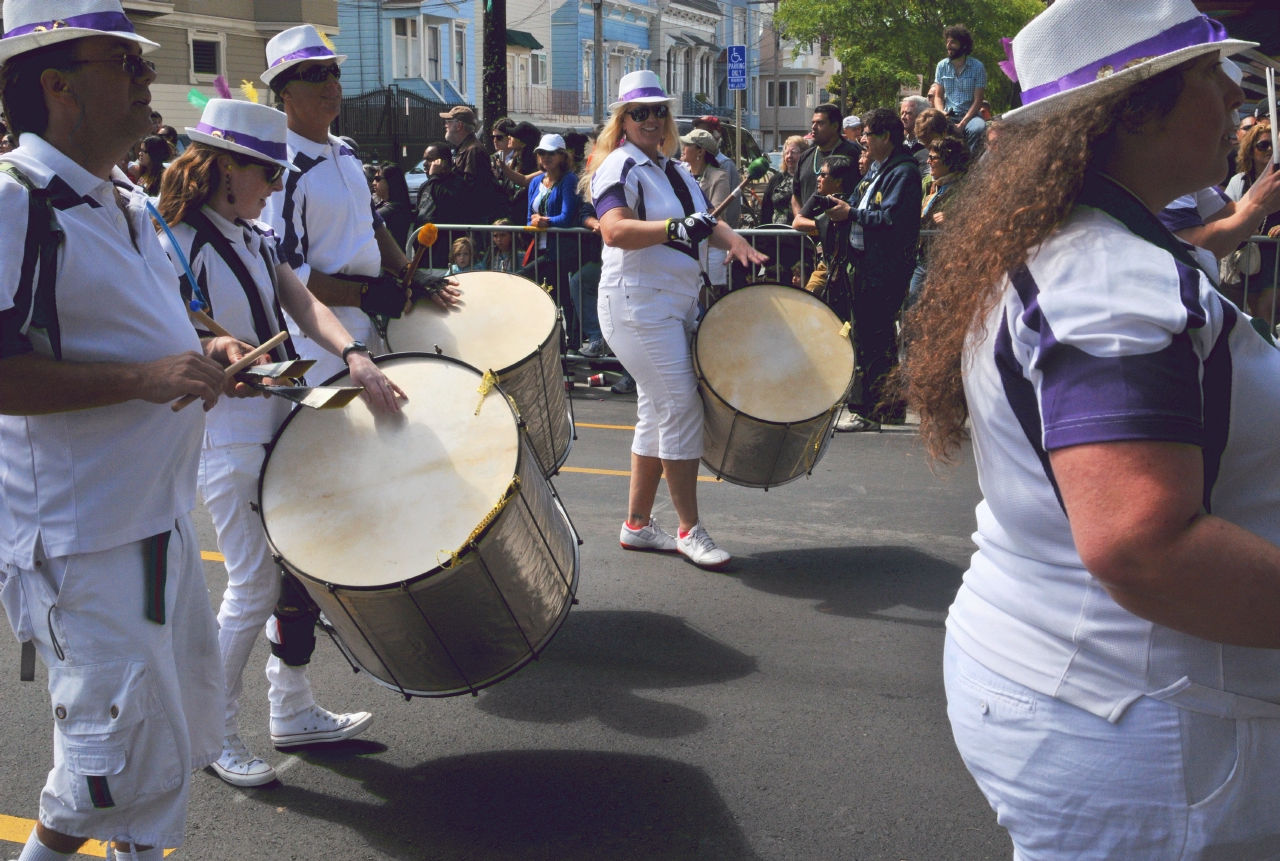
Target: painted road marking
x=211 y=556
x=605 y=427
x=618 y=472
x=16 y=830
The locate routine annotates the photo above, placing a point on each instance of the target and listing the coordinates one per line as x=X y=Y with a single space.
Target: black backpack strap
x=35 y=302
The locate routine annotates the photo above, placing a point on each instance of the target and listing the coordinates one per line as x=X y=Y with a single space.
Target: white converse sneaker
x=238 y=767
x=699 y=549
x=652 y=537
x=315 y=725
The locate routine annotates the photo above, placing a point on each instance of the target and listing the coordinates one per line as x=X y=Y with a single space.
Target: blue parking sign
x=737 y=67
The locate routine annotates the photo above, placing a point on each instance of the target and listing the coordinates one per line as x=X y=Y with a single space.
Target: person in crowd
x=826 y=142
x=648 y=304
x=909 y=111
x=961 y=85
x=212 y=197
x=883 y=237
x=501 y=255
x=553 y=201
x=832 y=233
x=932 y=126
x=370 y=173
x=484 y=200
x=153 y=153
x=170 y=134
x=7 y=144
x=1247 y=122
x=698 y=149
x=500 y=134
x=392 y=196
x=1112 y=663
x=985 y=112
x=851 y=130
x=577 y=144
x=440 y=200
x=719 y=159
x=948 y=164
x=462 y=256
x=156 y=122
x=775 y=211
x=584 y=287
x=1255 y=158
x=335 y=242
x=99 y=557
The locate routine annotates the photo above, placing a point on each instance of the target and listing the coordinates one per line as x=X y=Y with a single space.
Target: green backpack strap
x=35 y=305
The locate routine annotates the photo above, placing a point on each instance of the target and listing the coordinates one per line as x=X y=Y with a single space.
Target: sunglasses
x=271 y=172
x=320 y=74
x=1263 y=145
x=133 y=65
x=499 y=137
x=660 y=112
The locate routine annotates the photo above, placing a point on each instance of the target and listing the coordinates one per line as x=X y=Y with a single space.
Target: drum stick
x=426 y=237
x=1275 y=120
x=209 y=323
x=715 y=213
x=236 y=368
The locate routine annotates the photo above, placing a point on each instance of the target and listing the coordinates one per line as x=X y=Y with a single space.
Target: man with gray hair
x=486 y=201
x=908 y=112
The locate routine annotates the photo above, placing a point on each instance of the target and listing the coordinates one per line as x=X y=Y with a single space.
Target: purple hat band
x=270 y=149
x=643 y=93
x=108 y=22
x=305 y=54
x=1197 y=31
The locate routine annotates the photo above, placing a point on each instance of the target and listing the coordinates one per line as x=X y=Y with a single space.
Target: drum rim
x=431 y=572
x=703 y=382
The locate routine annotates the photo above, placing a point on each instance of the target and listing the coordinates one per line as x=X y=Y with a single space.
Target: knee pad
x=292 y=628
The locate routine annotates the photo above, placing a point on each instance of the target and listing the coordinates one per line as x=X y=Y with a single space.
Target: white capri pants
x=136 y=705
x=649 y=330
x=1163 y=782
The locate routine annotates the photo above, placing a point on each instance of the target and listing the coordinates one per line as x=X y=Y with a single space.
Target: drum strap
x=681 y=190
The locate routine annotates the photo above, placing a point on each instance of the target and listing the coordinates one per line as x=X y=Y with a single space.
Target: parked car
x=416 y=179
x=750 y=149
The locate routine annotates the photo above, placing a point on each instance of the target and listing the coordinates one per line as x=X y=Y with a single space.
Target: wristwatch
x=353 y=347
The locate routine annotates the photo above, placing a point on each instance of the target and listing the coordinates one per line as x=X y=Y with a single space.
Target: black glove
x=382 y=296
x=424 y=285
x=691 y=229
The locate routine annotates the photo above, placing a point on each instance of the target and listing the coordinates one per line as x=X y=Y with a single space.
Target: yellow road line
x=605 y=427
x=16 y=830
x=617 y=472
x=211 y=556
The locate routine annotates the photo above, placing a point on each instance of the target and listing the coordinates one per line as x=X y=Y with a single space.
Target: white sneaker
x=652 y=537
x=238 y=767
x=315 y=725
x=699 y=549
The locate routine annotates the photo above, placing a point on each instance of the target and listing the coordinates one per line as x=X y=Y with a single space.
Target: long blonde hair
x=611 y=137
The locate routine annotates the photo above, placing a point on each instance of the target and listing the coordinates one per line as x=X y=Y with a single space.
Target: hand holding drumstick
x=248 y=359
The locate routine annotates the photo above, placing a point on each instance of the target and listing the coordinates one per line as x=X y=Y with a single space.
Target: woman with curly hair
x=1112 y=662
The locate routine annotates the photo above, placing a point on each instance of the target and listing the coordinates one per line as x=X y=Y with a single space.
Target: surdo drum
x=774 y=364
x=507 y=325
x=429 y=539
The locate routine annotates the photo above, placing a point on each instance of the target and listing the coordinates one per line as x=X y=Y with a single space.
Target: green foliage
x=885 y=44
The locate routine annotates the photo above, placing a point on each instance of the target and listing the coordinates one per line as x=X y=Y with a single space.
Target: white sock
x=155 y=853
x=37 y=851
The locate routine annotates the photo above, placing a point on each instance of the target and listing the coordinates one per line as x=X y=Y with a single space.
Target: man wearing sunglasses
x=486 y=201
x=99 y=560
x=332 y=237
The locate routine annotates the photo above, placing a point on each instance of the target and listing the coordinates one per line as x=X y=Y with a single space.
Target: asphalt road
x=789 y=709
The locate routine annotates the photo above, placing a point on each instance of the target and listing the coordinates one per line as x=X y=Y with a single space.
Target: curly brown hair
x=189 y=182
x=1015 y=197
x=1244 y=157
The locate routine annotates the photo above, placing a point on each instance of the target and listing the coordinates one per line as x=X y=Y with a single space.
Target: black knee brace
x=296 y=618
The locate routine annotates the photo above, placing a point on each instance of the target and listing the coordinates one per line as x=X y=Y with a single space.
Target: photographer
x=815 y=218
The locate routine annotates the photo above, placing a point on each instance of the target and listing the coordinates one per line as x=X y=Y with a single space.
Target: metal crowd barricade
x=1258 y=293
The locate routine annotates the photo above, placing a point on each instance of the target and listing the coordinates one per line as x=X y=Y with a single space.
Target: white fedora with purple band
x=297 y=45
x=31 y=24
x=642 y=87
x=246 y=129
x=1078 y=49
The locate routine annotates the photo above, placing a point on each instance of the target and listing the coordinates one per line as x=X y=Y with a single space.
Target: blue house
x=428 y=48
x=627 y=25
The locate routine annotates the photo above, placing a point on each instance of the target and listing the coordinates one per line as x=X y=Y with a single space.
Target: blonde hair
x=460 y=245
x=797 y=141
x=611 y=137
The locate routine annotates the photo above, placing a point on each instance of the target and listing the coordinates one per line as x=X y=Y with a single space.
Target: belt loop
x=155 y=573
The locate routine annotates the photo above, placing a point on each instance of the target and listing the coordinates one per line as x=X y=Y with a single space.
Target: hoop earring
x=231 y=198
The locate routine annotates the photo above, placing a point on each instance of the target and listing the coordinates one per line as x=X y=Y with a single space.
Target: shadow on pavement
x=601 y=657
x=558 y=805
x=889 y=583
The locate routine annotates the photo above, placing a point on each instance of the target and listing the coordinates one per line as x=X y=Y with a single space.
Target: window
x=808 y=94
x=460 y=57
x=433 y=53
x=538 y=64
x=587 y=63
x=789 y=94
x=207 y=53
x=405 y=48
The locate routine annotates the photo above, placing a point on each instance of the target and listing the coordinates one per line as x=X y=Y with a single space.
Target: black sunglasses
x=133 y=65
x=320 y=74
x=272 y=172
x=1263 y=145
x=641 y=114
x=499 y=137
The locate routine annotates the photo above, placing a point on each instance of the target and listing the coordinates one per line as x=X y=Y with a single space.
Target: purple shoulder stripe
x=1180 y=218
x=613 y=197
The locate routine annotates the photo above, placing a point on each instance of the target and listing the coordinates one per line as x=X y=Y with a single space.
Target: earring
x=231 y=198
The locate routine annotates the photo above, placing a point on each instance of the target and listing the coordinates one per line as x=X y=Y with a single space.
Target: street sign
x=737 y=67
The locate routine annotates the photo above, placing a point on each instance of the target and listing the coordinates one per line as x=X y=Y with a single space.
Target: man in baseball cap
x=471 y=162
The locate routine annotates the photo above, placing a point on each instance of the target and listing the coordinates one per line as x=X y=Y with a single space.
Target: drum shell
x=536 y=384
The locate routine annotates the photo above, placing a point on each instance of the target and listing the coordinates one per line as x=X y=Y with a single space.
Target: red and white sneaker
x=652 y=538
x=696 y=546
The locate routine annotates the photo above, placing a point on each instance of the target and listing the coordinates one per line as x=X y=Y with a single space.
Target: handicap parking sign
x=737 y=67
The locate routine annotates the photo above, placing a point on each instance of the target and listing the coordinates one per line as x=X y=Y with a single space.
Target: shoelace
x=699 y=536
x=238 y=750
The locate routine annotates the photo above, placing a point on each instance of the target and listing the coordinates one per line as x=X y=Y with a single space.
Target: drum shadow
x=564 y=805
x=886 y=583
x=598 y=661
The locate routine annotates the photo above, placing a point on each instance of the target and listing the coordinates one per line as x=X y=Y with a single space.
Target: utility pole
x=494 y=84
x=597 y=65
x=777 y=81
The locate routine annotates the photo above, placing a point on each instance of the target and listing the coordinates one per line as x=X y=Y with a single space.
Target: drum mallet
x=756 y=170
x=236 y=368
x=426 y=237
x=209 y=323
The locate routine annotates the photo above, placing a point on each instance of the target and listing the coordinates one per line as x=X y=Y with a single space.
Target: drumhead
x=775 y=353
x=354 y=499
x=501 y=320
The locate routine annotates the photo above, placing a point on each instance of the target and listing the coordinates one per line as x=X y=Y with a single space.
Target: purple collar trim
x=107 y=22
x=1198 y=31
x=270 y=149
x=643 y=93
x=305 y=54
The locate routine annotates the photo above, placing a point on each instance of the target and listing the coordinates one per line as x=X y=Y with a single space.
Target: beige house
x=804 y=78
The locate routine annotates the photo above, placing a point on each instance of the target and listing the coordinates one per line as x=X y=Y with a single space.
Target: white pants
x=136 y=704
x=1162 y=783
x=649 y=331
x=229 y=485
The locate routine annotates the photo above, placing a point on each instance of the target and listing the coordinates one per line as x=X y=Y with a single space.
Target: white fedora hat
x=31 y=24
x=297 y=45
x=244 y=128
x=641 y=87
x=1081 y=48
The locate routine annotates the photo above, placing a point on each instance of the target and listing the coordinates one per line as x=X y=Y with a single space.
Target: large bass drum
x=429 y=539
x=774 y=364
x=508 y=325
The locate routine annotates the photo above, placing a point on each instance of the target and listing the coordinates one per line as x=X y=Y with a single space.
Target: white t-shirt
x=1106 y=337
x=630 y=178
x=236 y=420
x=90 y=480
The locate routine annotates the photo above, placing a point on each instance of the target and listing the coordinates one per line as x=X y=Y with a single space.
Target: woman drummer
x=656 y=229
x=1112 y=662
x=211 y=197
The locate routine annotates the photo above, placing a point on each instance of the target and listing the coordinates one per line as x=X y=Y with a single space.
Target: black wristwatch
x=353 y=347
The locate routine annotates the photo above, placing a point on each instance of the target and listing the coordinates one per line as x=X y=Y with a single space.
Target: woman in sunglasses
x=1253 y=157
x=211 y=198
x=656 y=230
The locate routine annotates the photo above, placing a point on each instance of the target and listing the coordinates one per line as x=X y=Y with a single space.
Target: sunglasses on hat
x=641 y=114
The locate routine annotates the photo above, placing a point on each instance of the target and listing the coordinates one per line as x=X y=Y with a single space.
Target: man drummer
x=99 y=560
x=332 y=238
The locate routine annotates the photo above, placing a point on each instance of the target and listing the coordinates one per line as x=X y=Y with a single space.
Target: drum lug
x=573 y=601
x=253 y=506
x=277 y=558
x=407 y=698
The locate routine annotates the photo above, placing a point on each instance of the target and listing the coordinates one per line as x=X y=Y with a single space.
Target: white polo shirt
x=90 y=480
x=630 y=178
x=236 y=420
